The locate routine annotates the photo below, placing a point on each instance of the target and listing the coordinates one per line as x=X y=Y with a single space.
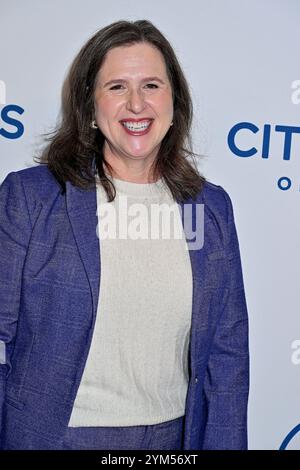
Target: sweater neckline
x=148 y=190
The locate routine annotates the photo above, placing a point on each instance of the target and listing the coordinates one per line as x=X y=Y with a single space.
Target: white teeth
x=139 y=126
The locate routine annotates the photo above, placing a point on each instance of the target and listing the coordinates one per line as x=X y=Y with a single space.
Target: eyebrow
x=147 y=79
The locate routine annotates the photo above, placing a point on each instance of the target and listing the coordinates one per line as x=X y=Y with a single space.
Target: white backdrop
x=241 y=61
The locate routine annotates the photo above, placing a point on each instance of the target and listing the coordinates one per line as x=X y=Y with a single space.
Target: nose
x=135 y=102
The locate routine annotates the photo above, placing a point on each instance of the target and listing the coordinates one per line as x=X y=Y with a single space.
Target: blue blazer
x=49 y=288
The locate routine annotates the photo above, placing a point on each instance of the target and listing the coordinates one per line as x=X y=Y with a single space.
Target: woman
x=111 y=341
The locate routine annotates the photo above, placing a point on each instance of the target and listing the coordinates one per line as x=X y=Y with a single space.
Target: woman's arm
x=227 y=378
x=15 y=230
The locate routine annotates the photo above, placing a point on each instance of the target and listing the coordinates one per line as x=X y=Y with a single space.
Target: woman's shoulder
x=37 y=174
x=216 y=197
x=219 y=213
x=34 y=179
x=36 y=183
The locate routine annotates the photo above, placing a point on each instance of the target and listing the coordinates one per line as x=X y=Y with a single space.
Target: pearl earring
x=94 y=125
x=171 y=124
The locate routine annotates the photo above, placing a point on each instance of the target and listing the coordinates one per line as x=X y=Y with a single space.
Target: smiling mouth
x=137 y=128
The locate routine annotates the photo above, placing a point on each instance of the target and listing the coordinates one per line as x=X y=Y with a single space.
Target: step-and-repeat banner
x=241 y=61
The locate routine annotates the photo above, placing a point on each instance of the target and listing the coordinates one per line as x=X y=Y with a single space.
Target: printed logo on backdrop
x=10 y=125
x=288 y=132
x=292 y=440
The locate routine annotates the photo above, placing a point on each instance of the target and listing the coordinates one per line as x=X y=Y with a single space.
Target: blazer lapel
x=82 y=211
x=198 y=264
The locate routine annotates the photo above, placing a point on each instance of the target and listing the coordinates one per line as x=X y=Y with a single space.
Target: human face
x=133 y=101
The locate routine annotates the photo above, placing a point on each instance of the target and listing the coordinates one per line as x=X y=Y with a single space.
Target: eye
x=151 y=85
x=116 y=87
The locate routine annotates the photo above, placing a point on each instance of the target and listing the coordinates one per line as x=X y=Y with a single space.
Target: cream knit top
x=137 y=367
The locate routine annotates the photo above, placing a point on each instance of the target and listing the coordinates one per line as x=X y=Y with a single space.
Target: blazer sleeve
x=15 y=230
x=227 y=378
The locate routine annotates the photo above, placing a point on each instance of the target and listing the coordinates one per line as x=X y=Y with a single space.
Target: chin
x=139 y=153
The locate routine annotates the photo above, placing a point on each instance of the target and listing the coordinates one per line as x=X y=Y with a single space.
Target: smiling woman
x=127 y=111
x=135 y=340
x=134 y=111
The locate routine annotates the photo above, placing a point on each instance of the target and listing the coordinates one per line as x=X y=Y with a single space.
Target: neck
x=134 y=170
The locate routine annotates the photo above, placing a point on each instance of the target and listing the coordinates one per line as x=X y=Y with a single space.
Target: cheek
x=107 y=114
x=101 y=109
x=165 y=106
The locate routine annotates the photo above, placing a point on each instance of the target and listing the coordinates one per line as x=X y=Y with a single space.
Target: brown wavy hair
x=74 y=151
